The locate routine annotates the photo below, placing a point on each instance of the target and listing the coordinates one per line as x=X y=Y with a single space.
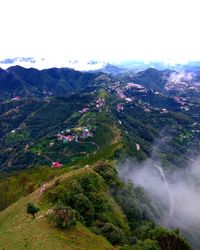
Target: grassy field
x=19 y=231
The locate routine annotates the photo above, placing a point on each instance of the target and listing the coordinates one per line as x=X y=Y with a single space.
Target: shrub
x=113 y=234
x=63 y=216
x=99 y=202
x=125 y=197
x=108 y=172
x=90 y=183
x=126 y=247
x=85 y=208
x=30 y=188
x=168 y=239
x=146 y=245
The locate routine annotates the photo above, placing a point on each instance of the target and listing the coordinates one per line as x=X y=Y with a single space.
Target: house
x=86 y=133
x=84 y=110
x=16 y=98
x=51 y=144
x=60 y=137
x=100 y=103
x=128 y=99
x=56 y=164
x=119 y=107
x=68 y=138
x=137 y=146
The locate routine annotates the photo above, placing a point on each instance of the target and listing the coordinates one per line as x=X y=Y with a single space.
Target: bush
x=125 y=197
x=99 y=202
x=146 y=245
x=32 y=209
x=108 y=173
x=85 y=208
x=168 y=239
x=30 y=188
x=113 y=234
x=63 y=216
x=126 y=247
x=90 y=183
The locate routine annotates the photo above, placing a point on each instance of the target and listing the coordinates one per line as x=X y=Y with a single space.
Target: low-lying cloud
x=182 y=77
x=176 y=194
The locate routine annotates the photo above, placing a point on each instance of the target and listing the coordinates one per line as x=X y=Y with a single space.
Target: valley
x=60 y=125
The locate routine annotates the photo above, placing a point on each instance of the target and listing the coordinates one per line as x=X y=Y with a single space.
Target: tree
x=32 y=209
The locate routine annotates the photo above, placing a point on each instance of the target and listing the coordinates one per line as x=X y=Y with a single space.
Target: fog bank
x=176 y=194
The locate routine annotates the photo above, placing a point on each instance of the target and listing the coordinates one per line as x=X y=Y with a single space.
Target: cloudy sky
x=108 y=30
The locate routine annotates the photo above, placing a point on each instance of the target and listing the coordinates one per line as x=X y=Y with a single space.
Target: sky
x=105 y=30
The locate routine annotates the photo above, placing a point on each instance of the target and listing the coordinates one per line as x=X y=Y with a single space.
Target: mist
x=182 y=76
x=175 y=194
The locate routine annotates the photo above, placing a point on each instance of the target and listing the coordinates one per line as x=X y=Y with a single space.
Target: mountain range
x=63 y=130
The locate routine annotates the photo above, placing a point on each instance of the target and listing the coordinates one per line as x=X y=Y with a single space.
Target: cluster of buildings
x=74 y=134
x=183 y=102
x=182 y=86
x=120 y=89
x=99 y=103
x=136 y=87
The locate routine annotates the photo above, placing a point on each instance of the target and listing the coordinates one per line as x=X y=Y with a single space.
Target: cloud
x=175 y=194
x=44 y=63
x=181 y=77
x=102 y=30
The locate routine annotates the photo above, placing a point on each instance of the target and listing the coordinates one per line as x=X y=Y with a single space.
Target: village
x=128 y=95
x=78 y=134
x=120 y=90
x=140 y=91
x=67 y=136
x=182 y=86
x=74 y=134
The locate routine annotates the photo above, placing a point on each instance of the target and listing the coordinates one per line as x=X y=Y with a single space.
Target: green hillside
x=61 y=153
x=19 y=231
x=97 y=194
x=33 y=131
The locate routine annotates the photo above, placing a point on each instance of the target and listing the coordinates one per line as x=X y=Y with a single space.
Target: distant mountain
x=19 y=81
x=150 y=78
x=45 y=63
x=85 y=122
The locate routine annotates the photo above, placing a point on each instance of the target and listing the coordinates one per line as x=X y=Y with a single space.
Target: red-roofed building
x=56 y=164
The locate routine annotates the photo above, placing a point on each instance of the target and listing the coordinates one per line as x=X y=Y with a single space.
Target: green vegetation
x=32 y=209
x=23 y=183
x=114 y=134
x=168 y=239
x=146 y=245
x=92 y=197
x=113 y=234
x=62 y=216
x=39 y=233
x=86 y=203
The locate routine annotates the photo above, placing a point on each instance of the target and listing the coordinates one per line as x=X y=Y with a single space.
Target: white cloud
x=105 y=30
